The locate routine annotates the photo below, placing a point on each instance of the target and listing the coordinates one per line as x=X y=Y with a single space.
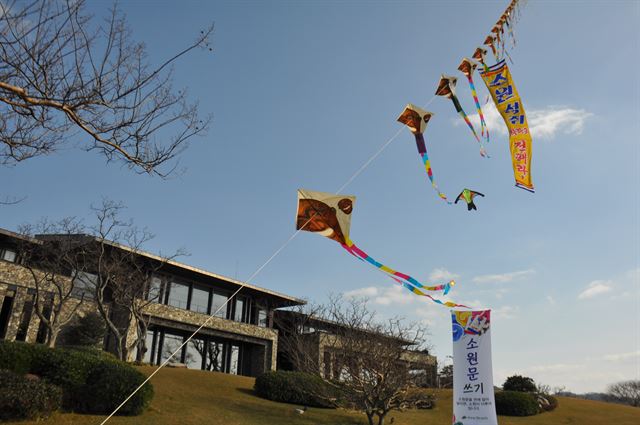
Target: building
x=316 y=343
x=239 y=339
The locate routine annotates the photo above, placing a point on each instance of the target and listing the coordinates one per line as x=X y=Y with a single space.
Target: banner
x=500 y=84
x=473 y=400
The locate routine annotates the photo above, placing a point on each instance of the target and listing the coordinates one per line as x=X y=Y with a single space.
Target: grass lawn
x=191 y=397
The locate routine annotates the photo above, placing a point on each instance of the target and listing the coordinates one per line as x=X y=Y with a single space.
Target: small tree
x=86 y=331
x=519 y=383
x=627 y=392
x=446 y=376
x=54 y=267
x=369 y=360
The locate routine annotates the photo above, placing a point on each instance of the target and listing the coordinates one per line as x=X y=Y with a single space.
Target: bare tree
x=54 y=266
x=122 y=276
x=370 y=361
x=627 y=392
x=62 y=74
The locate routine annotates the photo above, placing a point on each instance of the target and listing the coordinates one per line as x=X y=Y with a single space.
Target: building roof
x=287 y=300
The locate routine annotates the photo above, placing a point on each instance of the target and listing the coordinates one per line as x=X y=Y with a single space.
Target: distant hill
x=194 y=397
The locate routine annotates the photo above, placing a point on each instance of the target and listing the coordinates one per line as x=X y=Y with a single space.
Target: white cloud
x=370 y=291
x=504 y=313
x=597 y=287
x=502 y=278
x=442 y=274
x=394 y=295
x=544 y=123
x=622 y=356
x=551 y=300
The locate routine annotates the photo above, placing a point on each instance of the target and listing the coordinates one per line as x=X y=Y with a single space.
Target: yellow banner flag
x=500 y=84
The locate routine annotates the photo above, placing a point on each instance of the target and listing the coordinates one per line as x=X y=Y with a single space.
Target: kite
x=330 y=215
x=489 y=42
x=500 y=85
x=468 y=195
x=417 y=119
x=480 y=55
x=467 y=67
x=447 y=88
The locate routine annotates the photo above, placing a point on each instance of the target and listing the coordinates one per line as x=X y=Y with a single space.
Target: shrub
x=547 y=403
x=516 y=403
x=92 y=381
x=421 y=398
x=297 y=388
x=22 y=398
x=85 y=331
x=519 y=383
x=108 y=384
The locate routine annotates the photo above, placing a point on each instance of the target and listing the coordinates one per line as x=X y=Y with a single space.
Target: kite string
x=255 y=273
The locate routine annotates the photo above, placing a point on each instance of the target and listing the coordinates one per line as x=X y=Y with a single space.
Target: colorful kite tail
x=483 y=123
x=464 y=116
x=422 y=150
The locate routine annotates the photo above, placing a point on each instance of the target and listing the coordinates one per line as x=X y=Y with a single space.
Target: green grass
x=190 y=397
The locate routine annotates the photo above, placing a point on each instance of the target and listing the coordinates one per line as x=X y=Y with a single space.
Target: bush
x=421 y=398
x=297 y=388
x=23 y=398
x=92 y=381
x=519 y=383
x=516 y=403
x=109 y=384
x=85 y=331
x=547 y=402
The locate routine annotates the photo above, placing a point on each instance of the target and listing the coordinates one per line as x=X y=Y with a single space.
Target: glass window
x=262 y=318
x=178 y=295
x=234 y=360
x=8 y=255
x=199 y=300
x=239 y=311
x=84 y=284
x=219 y=300
x=196 y=350
x=171 y=344
x=214 y=356
x=149 y=346
x=155 y=288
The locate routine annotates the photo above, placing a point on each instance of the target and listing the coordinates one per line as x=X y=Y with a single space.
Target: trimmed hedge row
x=24 y=398
x=296 y=388
x=91 y=380
x=516 y=403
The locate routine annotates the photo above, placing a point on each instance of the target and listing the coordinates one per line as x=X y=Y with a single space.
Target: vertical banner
x=500 y=84
x=473 y=400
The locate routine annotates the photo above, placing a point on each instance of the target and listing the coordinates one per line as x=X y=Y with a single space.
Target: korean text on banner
x=473 y=398
x=505 y=95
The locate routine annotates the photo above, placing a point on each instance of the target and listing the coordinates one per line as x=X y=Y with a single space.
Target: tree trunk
x=370 y=417
x=53 y=337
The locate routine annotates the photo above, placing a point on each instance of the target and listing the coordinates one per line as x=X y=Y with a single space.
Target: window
x=171 y=344
x=214 y=356
x=234 y=360
x=7 y=254
x=155 y=289
x=200 y=300
x=195 y=352
x=84 y=284
x=149 y=342
x=262 y=318
x=219 y=301
x=178 y=295
x=242 y=309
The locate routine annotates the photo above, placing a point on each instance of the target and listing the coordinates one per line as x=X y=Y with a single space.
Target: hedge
x=26 y=398
x=81 y=374
x=516 y=403
x=297 y=388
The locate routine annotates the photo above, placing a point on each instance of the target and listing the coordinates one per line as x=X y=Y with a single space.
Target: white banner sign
x=473 y=400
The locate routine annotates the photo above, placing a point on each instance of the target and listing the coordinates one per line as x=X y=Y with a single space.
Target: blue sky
x=303 y=93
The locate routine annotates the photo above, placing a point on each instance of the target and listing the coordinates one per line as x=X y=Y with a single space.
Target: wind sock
x=467 y=66
x=500 y=85
x=468 y=195
x=417 y=119
x=489 y=42
x=447 y=88
x=330 y=215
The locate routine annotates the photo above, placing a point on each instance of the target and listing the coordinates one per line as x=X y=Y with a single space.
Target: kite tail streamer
x=403 y=279
x=483 y=123
x=464 y=116
x=422 y=150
